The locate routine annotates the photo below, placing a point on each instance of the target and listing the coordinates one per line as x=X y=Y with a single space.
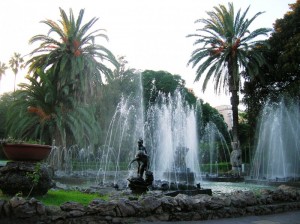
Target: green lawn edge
x=58 y=197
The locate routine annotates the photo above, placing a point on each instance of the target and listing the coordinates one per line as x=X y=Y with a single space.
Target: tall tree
x=77 y=61
x=226 y=49
x=39 y=111
x=282 y=76
x=3 y=68
x=16 y=63
x=3 y=110
x=162 y=81
x=125 y=83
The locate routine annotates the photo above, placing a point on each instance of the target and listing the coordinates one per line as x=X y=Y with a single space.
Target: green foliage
x=220 y=152
x=4 y=196
x=226 y=43
x=210 y=114
x=161 y=81
x=75 y=59
x=125 y=83
x=5 y=101
x=245 y=136
x=41 y=111
x=34 y=176
x=19 y=141
x=224 y=46
x=16 y=63
x=3 y=68
x=220 y=167
x=281 y=78
x=110 y=166
x=56 y=103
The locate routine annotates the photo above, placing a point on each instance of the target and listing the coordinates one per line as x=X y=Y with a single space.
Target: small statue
x=141 y=158
x=236 y=157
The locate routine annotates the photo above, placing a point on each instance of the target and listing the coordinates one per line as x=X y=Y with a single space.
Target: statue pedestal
x=20 y=177
x=139 y=185
x=188 y=177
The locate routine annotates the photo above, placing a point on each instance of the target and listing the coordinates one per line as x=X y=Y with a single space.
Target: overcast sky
x=151 y=34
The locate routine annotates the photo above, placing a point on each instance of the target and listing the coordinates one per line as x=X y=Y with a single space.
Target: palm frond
x=225 y=42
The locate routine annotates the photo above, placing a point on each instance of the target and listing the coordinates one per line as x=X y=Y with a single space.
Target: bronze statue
x=141 y=158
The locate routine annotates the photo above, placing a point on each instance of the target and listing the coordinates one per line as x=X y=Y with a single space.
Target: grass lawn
x=58 y=197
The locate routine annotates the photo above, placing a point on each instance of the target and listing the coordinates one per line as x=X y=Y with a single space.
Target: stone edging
x=153 y=208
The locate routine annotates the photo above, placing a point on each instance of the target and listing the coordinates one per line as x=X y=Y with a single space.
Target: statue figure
x=141 y=158
x=236 y=157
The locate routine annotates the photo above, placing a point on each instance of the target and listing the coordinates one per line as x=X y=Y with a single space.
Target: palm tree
x=226 y=49
x=3 y=68
x=40 y=112
x=16 y=63
x=77 y=61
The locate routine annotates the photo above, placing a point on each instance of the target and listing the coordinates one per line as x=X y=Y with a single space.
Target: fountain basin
x=224 y=178
x=188 y=177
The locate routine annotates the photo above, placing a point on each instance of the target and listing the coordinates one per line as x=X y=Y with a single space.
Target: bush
x=221 y=167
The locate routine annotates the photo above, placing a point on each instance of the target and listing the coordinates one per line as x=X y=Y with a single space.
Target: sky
x=151 y=34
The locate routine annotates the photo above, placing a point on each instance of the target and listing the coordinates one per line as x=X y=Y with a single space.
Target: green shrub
x=222 y=167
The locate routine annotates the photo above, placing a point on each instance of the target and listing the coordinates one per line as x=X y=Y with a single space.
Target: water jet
x=277 y=153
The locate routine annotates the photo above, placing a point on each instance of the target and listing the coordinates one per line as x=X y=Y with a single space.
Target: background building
x=226 y=111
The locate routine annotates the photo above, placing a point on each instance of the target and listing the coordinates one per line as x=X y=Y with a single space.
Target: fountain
x=215 y=150
x=168 y=128
x=120 y=144
x=218 y=149
x=180 y=171
x=107 y=163
x=171 y=130
x=277 y=154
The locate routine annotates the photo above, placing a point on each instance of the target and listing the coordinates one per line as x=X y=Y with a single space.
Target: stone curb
x=154 y=208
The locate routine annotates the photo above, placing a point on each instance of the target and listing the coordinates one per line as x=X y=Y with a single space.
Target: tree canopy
x=65 y=71
x=225 y=48
x=282 y=75
x=162 y=81
x=76 y=60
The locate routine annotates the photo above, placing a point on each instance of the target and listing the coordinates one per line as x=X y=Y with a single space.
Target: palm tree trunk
x=235 y=116
x=236 y=154
x=15 y=82
x=233 y=89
